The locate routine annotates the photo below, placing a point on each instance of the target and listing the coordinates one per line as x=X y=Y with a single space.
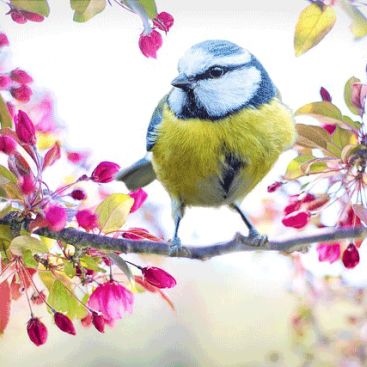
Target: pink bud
x=20 y=76
x=98 y=321
x=275 y=186
x=11 y=109
x=163 y=21
x=22 y=93
x=64 y=323
x=292 y=207
x=33 y=17
x=78 y=194
x=150 y=43
x=7 y=144
x=359 y=92
x=139 y=197
x=350 y=256
x=5 y=82
x=330 y=128
x=77 y=157
x=37 y=331
x=328 y=252
x=25 y=129
x=3 y=40
x=296 y=219
x=27 y=184
x=56 y=218
x=308 y=197
x=17 y=16
x=86 y=219
x=158 y=277
x=52 y=155
x=325 y=95
x=105 y=172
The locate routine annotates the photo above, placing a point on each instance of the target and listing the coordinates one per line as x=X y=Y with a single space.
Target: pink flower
x=350 y=256
x=5 y=82
x=112 y=300
x=56 y=218
x=22 y=93
x=77 y=157
x=20 y=76
x=86 y=219
x=37 y=331
x=292 y=207
x=296 y=219
x=25 y=129
x=64 y=323
x=163 y=21
x=78 y=194
x=328 y=252
x=275 y=186
x=139 y=197
x=3 y=40
x=27 y=184
x=150 y=43
x=98 y=321
x=105 y=172
x=325 y=95
x=359 y=93
x=7 y=145
x=158 y=277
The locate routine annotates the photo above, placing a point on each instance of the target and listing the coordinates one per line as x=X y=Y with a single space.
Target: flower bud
x=33 y=17
x=150 y=43
x=158 y=277
x=296 y=219
x=56 y=218
x=7 y=144
x=78 y=194
x=27 y=184
x=330 y=128
x=17 y=16
x=37 y=331
x=20 y=76
x=139 y=197
x=22 y=93
x=274 y=186
x=105 y=172
x=325 y=95
x=25 y=129
x=163 y=21
x=350 y=256
x=64 y=323
x=5 y=82
x=98 y=321
x=86 y=219
x=328 y=252
x=3 y=40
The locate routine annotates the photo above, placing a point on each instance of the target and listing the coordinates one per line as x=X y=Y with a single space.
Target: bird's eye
x=216 y=71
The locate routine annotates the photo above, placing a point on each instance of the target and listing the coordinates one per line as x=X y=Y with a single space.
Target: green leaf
x=294 y=169
x=325 y=112
x=69 y=269
x=310 y=136
x=85 y=10
x=5 y=233
x=29 y=260
x=26 y=242
x=6 y=176
x=5 y=118
x=35 y=6
x=356 y=125
x=359 y=20
x=113 y=211
x=122 y=265
x=64 y=300
x=348 y=94
x=314 y=23
x=342 y=137
x=91 y=263
x=149 y=7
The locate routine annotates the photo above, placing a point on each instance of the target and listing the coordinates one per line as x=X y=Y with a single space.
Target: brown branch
x=238 y=244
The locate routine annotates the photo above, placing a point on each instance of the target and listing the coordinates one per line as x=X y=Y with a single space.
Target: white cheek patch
x=176 y=100
x=230 y=92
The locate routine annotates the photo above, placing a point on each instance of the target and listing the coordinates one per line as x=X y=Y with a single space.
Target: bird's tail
x=139 y=174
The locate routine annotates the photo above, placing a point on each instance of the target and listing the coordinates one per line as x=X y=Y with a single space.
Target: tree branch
x=239 y=243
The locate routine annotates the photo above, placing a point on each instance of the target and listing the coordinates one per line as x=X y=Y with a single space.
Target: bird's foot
x=176 y=248
x=258 y=240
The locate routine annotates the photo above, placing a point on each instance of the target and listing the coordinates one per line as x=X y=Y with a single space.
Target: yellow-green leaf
x=5 y=118
x=310 y=136
x=342 y=137
x=113 y=211
x=26 y=242
x=35 y=6
x=6 y=176
x=87 y=9
x=325 y=112
x=149 y=7
x=314 y=23
x=294 y=168
x=348 y=94
x=5 y=232
x=359 y=20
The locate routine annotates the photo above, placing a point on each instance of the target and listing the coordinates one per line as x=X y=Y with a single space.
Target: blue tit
x=216 y=134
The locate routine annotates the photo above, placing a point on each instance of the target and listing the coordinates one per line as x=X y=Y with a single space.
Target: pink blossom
x=64 y=323
x=292 y=207
x=158 y=277
x=22 y=93
x=112 y=300
x=20 y=76
x=163 y=21
x=37 y=331
x=139 y=197
x=7 y=144
x=296 y=219
x=25 y=129
x=56 y=218
x=27 y=184
x=3 y=40
x=150 y=43
x=77 y=157
x=5 y=82
x=105 y=172
x=359 y=93
x=328 y=252
x=86 y=219
x=350 y=256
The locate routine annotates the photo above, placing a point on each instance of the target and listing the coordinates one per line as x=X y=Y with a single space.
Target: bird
x=216 y=134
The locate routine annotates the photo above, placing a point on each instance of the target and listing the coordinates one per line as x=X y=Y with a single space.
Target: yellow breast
x=189 y=155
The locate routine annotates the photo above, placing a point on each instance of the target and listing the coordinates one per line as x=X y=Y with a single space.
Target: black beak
x=182 y=81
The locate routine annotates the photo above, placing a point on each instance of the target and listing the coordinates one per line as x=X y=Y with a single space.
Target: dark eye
x=216 y=71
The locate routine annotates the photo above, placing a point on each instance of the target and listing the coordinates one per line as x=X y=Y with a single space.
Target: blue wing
x=155 y=121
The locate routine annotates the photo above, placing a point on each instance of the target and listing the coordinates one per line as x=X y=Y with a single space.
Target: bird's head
x=217 y=78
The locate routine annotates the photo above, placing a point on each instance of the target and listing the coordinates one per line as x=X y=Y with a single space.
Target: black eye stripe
x=206 y=74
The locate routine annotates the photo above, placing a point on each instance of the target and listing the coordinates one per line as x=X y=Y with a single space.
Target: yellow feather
x=188 y=156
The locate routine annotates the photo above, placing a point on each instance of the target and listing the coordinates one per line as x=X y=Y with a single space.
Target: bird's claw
x=176 y=248
x=258 y=240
